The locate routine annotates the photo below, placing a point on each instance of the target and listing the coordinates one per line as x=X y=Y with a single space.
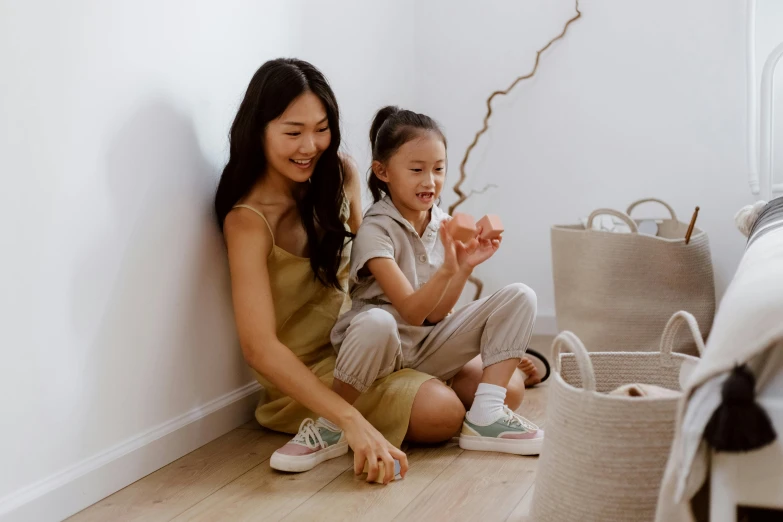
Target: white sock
x=329 y=424
x=487 y=405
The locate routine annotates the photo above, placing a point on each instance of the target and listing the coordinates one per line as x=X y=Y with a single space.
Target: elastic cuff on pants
x=351 y=381
x=489 y=360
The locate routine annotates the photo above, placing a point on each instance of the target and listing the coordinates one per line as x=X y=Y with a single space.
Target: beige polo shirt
x=385 y=233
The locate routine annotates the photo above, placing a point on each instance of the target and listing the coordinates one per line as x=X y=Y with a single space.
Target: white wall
x=115 y=306
x=640 y=99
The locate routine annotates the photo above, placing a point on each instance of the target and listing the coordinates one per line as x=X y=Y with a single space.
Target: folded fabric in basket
x=645 y=390
x=608 y=223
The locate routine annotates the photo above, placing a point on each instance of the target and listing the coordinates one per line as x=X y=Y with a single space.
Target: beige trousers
x=497 y=327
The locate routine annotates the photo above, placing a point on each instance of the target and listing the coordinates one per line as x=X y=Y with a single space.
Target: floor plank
x=521 y=513
x=171 y=490
x=349 y=497
x=265 y=494
x=476 y=486
x=533 y=405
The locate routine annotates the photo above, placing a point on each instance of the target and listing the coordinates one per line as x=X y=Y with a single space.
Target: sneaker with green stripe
x=511 y=433
x=313 y=444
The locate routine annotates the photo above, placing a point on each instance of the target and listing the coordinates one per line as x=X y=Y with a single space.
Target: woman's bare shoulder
x=245 y=230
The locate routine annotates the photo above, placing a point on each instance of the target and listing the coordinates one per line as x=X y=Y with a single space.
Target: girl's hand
x=478 y=251
x=454 y=250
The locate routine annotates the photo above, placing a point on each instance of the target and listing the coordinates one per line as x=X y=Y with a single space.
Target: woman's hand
x=370 y=446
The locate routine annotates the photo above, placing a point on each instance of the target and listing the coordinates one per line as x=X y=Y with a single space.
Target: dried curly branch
x=462 y=174
x=486 y=188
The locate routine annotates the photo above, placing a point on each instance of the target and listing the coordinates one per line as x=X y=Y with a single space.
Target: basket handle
x=570 y=341
x=651 y=200
x=673 y=327
x=625 y=217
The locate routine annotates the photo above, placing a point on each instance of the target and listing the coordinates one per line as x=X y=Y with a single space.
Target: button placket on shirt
x=429 y=240
x=421 y=246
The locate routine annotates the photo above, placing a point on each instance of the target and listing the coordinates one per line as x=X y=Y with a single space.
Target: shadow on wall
x=152 y=295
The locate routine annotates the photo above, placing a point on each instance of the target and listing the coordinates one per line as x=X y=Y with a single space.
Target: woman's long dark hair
x=273 y=87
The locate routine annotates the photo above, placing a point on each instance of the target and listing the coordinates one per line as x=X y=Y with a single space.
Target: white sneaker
x=313 y=444
x=511 y=433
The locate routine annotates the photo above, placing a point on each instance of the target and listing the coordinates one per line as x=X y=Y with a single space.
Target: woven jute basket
x=616 y=291
x=604 y=455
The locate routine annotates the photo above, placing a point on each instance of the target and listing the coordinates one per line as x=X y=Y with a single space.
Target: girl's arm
x=249 y=243
x=475 y=253
x=450 y=298
x=416 y=306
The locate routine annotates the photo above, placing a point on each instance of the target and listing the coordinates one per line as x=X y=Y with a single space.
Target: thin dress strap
x=262 y=217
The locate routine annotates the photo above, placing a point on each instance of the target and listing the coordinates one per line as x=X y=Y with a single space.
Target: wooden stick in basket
x=690 y=227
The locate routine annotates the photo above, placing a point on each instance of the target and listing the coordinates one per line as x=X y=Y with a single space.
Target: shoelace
x=309 y=435
x=513 y=418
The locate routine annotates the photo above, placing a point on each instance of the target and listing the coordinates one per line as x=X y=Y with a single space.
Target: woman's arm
x=416 y=306
x=249 y=244
x=353 y=191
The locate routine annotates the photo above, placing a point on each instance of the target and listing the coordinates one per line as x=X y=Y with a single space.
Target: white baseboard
x=69 y=491
x=545 y=325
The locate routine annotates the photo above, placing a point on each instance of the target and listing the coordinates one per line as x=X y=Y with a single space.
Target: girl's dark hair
x=272 y=89
x=391 y=129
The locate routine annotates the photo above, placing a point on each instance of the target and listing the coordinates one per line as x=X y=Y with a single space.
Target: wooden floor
x=230 y=479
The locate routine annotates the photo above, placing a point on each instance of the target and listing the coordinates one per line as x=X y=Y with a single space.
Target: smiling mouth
x=305 y=163
x=425 y=196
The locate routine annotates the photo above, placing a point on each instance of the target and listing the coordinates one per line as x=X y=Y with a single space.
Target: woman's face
x=294 y=142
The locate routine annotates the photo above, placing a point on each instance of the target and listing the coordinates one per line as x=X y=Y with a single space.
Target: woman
x=288 y=204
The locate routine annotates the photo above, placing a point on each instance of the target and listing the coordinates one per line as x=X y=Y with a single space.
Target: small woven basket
x=604 y=455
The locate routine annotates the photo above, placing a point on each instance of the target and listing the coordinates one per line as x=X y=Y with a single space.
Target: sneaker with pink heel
x=511 y=433
x=313 y=444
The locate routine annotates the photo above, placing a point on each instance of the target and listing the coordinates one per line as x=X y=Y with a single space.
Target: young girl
x=407 y=274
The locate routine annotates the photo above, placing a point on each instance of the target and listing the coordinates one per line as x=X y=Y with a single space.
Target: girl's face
x=294 y=142
x=415 y=173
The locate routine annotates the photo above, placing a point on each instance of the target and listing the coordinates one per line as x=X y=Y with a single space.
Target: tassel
x=739 y=423
x=747 y=216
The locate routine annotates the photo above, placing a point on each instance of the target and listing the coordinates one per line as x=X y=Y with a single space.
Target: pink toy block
x=462 y=227
x=492 y=227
